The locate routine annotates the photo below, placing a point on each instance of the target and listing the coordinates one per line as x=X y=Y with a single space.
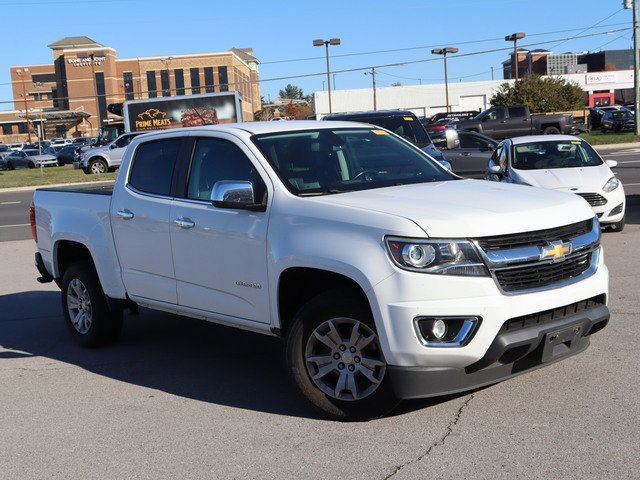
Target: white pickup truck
x=388 y=276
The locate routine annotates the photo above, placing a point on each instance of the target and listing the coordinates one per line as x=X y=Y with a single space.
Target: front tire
x=10 y=166
x=98 y=166
x=86 y=310
x=32 y=165
x=335 y=360
x=615 y=227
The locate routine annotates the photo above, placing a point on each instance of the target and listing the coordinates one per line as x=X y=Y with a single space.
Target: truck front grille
x=547 y=316
x=537 y=238
x=593 y=199
x=540 y=275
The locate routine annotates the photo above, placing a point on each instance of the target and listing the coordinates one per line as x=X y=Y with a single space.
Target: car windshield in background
x=31 y=153
x=554 y=154
x=316 y=162
x=621 y=115
x=406 y=127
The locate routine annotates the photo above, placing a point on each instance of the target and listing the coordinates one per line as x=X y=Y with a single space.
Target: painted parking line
x=9 y=203
x=16 y=225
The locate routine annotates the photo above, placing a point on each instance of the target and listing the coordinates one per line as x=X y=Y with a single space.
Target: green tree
x=550 y=94
x=292 y=92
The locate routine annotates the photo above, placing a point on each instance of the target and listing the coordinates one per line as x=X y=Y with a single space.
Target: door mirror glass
x=453 y=141
x=495 y=169
x=612 y=163
x=232 y=194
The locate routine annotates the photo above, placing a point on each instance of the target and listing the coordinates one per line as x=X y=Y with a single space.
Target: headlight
x=446 y=257
x=611 y=184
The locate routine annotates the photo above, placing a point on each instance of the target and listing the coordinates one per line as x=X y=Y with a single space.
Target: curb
x=614 y=146
x=53 y=185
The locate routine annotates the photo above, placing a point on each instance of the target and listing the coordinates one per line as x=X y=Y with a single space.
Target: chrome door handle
x=184 y=222
x=466 y=154
x=125 y=214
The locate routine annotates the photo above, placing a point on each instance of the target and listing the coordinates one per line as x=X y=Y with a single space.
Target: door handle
x=503 y=121
x=466 y=154
x=184 y=222
x=124 y=214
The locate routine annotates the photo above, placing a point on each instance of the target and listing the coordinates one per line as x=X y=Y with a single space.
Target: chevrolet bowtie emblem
x=556 y=250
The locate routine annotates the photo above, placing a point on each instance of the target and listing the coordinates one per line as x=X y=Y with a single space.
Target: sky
x=282 y=31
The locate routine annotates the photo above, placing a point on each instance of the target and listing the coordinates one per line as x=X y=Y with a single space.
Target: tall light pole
x=514 y=37
x=636 y=67
x=41 y=135
x=20 y=71
x=167 y=62
x=443 y=52
x=373 y=80
x=95 y=89
x=326 y=43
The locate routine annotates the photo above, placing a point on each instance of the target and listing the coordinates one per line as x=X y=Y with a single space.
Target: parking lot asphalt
x=180 y=398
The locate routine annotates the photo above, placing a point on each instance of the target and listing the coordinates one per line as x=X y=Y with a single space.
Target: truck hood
x=585 y=179
x=470 y=208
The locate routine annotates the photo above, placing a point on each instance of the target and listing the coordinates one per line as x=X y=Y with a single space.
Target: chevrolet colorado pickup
x=387 y=276
x=515 y=121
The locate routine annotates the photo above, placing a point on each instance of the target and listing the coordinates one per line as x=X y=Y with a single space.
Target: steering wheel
x=369 y=175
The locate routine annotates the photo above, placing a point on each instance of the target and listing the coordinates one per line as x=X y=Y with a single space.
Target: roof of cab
x=542 y=138
x=274 y=127
x=369 y=114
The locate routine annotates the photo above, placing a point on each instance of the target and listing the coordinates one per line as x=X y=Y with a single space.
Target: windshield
x=315 y=162
x=554 y=154
x=621 y=115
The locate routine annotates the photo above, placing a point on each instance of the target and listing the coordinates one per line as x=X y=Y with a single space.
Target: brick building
x=86 y=76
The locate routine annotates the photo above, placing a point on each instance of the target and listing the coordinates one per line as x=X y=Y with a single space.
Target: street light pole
x=443 y=52
x=326 y=43
x=95 y=89
x=373 y=79
x=41 y=135
x=514 y=37
x=24 y=97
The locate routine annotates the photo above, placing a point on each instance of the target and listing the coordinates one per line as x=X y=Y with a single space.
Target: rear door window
x=153 y=166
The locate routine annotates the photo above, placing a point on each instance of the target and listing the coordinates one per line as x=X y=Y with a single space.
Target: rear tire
x=98 y=166
x=331 y=339
x=86 y=310
x=551 y=131
x=10 y=166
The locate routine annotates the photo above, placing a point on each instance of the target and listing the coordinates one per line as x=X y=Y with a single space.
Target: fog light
x=446 y=331
x=439 y=328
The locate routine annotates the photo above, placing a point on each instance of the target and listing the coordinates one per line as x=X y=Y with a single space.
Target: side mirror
x=452 y=139
x=494 y=169
x=446 y=164
x=611 y=163
x=112 y=146
x=234 y=194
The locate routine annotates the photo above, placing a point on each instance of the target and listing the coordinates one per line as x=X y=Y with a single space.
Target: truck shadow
x=176 y=355
x=632 y=213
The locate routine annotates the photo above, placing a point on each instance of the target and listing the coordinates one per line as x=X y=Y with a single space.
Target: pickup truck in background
x=387 y=276
x=516 y=121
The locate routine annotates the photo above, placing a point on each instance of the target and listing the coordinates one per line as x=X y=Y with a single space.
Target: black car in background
x=401 y=122
x=617 y=121
x=68 y=154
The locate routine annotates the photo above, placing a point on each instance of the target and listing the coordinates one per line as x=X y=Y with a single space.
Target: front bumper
x=607 y=213
x=510 y=353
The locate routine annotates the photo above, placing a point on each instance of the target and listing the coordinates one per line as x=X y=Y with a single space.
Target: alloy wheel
x=344 y=359
x=79 y=306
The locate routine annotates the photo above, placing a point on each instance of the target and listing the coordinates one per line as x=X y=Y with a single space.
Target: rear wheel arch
x=68 y=252
x=298 y=285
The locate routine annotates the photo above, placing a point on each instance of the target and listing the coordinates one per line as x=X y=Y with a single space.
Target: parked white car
x=564 y=163
x=61 y=142
x=29 y=159
x=105 y=158
x=388 y=276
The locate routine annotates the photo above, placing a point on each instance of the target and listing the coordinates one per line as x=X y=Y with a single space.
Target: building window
x=22 y=128
x=164 y=83
x=102 y=98
x=43 y=78
x=179 y=76
x=6 y=129
x=127 y=82
x=208 y=79
x=152 y=87
x=223 y=78
x=195 y=80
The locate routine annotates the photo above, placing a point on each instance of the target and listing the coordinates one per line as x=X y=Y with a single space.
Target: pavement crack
x=441 y=441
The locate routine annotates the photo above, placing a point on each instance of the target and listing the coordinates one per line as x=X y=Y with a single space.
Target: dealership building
x=70 y=96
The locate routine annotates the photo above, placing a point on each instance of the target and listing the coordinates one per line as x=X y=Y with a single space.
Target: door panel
x=220 y=255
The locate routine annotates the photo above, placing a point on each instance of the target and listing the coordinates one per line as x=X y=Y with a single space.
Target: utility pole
x=373 y=80
x=491 y=73
x=326 y=43
x=636 y=69
x=24 y=97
